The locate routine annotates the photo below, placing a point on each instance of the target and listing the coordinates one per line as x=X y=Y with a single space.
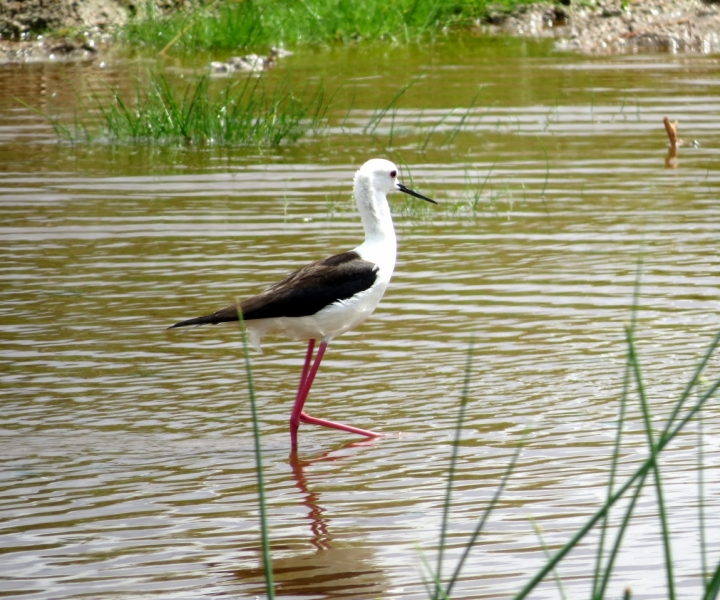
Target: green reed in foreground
x=683 y=412
x=687 y=408
x=260 y=23
x=264 y=529
x=161 y=110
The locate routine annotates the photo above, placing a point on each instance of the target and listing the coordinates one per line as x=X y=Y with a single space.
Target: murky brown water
x=126 y=453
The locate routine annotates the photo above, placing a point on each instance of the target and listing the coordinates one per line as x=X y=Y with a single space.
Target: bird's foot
x=306 y=418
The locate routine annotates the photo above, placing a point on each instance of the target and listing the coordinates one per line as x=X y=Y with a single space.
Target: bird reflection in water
x=339 y=568
x=318 y=524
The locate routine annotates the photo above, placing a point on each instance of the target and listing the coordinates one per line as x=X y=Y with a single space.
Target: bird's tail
x=222 y=316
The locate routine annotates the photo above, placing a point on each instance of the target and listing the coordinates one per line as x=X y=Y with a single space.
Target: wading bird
x=326 y=298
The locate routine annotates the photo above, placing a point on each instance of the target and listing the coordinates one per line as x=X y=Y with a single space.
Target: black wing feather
x=303 y=292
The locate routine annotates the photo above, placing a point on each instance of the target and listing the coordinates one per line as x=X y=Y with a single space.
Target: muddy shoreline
x=81 y=29
x=607 y=27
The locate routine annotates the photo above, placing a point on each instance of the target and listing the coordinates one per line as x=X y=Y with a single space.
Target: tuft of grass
x=162 y=111
x=229 y=25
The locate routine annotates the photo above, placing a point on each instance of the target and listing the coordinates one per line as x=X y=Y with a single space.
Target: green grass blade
x=546 y=550
x=453 y=134
x=486 y=515
x=713 y=586
x=59 y=129
x=476 y=195
x=634 y=364
x=436 y=582
x=439 y=591
x=690 y=386
x=264 y=530
x=599 y=593
x=378 y=116
x=434 y=128
x=689 y=415
x=642 y=471
x=611 y=481
x=701 y=499
x=647 y=418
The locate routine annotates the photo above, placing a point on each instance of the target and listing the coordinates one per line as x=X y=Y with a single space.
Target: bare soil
x=606 y=26
x=41 y=30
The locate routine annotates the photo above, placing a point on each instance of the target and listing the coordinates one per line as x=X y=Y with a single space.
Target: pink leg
x=304 y=389
x=306 y=381
x=306 y=367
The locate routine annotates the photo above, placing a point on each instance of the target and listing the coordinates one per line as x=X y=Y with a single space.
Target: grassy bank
x=260 y=23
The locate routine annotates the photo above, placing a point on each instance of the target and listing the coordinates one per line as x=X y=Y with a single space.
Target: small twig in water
x=671 y=158
x=671 y=129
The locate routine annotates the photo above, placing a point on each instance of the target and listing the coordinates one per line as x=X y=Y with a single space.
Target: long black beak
x=407 y=190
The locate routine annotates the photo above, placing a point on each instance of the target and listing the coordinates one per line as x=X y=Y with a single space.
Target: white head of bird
x=373 y=181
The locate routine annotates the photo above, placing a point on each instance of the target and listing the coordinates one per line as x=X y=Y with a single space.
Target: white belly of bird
x=327 y=323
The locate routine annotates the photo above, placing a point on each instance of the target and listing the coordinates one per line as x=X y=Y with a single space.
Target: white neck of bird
x=375 y=213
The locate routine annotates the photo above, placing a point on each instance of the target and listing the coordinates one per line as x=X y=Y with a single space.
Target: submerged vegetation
x=243 y=111
x=231 y=25
x=254 y=113
x=161 y=111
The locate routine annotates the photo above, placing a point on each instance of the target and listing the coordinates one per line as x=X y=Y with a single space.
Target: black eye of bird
x=393 y=174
